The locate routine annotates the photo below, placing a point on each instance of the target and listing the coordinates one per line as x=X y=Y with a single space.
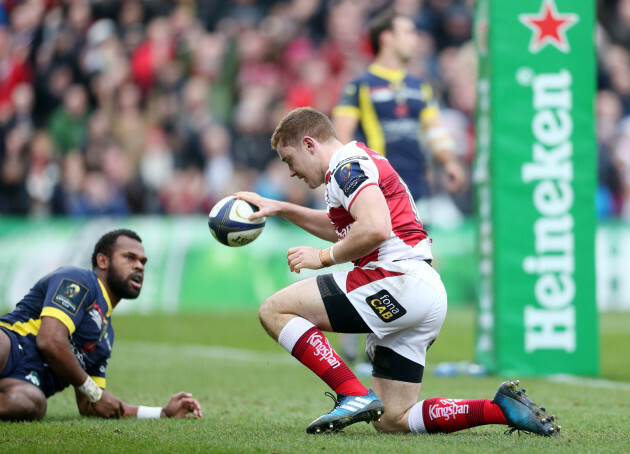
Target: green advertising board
x=188 y=270
x=535 y=176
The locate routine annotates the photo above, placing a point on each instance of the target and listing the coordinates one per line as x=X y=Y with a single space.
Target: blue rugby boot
x=522 y=413
x=348 y=410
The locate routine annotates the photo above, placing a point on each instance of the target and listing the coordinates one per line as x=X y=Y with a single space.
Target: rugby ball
x=229 y=222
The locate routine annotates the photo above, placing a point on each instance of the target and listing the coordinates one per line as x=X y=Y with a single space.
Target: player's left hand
x=182 y=405
x=303 y=257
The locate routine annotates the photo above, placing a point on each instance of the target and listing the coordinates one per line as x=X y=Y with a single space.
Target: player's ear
x=102 y=261
x=309 y=143
x=385 y=36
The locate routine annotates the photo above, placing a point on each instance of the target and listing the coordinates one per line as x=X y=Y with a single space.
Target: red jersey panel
x=353 y=168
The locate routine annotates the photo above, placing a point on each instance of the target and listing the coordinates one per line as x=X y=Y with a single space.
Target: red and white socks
x=309 y=346
x=450 y=415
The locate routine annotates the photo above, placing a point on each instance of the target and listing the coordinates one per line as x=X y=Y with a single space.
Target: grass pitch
x=256 y=398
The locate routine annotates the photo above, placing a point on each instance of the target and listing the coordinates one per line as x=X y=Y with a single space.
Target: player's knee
x=23 y=403
x=263 y=312
x=267 y=310
x=35 y=409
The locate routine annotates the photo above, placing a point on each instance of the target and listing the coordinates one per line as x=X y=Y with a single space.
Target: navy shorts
x=25 y=363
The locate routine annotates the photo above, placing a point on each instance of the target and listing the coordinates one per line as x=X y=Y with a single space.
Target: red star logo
x=549 y=27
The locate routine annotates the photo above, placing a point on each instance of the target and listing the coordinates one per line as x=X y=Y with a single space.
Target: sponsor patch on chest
x=385 y=306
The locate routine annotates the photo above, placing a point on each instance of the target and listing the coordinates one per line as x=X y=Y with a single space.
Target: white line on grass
x=207 y=351
x=253 y=356
x=589 y=382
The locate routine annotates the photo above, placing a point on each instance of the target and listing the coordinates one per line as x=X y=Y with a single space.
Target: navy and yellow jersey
x=79 y=300
x=391 y=107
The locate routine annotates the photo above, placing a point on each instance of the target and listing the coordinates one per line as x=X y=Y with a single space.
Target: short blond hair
x=300 y=122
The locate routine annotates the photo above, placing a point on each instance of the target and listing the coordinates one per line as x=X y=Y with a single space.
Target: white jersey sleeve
x=351 y=171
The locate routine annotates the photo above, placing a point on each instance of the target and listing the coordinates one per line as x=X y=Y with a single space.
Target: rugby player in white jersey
x=392 y=293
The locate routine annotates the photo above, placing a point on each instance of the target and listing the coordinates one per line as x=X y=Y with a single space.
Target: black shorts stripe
x=392 y=366
x=343 y=317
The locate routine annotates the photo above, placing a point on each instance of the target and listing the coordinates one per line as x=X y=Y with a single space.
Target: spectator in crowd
x=69 y=122
x=96 y=73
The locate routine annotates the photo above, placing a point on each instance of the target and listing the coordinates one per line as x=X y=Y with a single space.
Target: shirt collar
x=393 y=75
x=106 y=296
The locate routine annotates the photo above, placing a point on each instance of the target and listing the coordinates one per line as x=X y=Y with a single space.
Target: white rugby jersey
x=353 y=168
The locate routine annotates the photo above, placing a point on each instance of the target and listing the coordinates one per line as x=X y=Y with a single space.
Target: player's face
x=301 y=164
x=126 y=268
x=405 y=38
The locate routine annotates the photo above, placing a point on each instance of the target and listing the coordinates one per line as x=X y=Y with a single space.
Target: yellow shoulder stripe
x=393 y=75
x=24 y=328
x=100 y=381
x=426 y=92
x=59 y=315
x=369 y=122
x=429 y=113
x=346 y=111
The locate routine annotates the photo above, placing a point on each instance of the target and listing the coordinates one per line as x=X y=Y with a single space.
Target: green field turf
x=256 y=398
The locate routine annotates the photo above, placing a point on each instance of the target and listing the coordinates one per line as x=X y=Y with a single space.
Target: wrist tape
x=91 y=390
x=149 y=412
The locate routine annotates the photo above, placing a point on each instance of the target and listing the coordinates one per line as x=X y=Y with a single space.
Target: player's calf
x=391 y=422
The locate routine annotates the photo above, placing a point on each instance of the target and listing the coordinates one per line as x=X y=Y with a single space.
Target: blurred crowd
x=116 y=107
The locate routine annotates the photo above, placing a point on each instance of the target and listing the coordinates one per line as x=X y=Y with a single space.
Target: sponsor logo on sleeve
x=70 y=295
x=349 y=177
x=385 y=306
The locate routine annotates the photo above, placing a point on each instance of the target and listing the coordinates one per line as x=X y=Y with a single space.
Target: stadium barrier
x=188 y=271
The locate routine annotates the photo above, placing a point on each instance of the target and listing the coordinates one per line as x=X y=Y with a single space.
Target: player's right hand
x=109 y=406
x=455 y=175
x=266 y=207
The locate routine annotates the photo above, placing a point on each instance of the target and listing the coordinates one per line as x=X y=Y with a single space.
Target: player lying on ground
x=60 y=334
x=392 y=293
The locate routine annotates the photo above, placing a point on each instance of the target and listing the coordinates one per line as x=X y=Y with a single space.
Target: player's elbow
x=50 y=347
x=379 y=233
x=45 y=344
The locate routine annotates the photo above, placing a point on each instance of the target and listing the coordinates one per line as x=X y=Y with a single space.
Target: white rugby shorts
x=403 y=303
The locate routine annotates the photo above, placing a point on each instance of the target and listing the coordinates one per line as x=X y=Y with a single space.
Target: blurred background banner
x=536 y=175
x=188 y=271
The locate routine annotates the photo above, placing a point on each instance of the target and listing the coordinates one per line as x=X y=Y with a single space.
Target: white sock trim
x=416 y=421
x=292 y=332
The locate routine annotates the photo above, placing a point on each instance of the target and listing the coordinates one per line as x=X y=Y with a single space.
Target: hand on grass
x=108 y=406
x=182 y=405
